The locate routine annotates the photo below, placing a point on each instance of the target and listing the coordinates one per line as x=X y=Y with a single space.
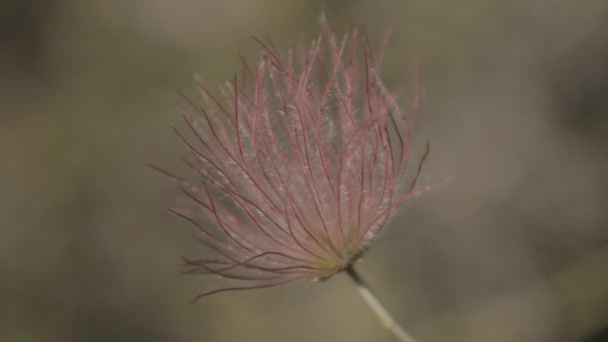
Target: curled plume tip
x=298 y=163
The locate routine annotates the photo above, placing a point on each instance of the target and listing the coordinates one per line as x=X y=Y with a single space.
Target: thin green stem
x=383 y=315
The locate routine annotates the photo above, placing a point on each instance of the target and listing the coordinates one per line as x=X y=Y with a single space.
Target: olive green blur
x=514 y=247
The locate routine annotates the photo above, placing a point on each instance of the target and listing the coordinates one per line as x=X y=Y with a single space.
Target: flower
x=299 y=164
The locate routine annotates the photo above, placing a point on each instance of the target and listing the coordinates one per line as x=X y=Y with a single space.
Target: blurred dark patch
x=578 y=78
x=558 y=242
x=600 y=336
x=22 y=35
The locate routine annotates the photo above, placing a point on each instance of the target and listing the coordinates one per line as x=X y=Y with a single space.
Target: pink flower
x=299 y=164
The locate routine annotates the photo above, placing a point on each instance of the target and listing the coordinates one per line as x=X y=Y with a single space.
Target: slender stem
x=372 y=301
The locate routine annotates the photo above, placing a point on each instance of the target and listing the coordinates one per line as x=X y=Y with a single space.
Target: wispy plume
x=298 y=164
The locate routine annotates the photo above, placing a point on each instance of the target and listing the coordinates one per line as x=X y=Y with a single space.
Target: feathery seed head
x=299 y=164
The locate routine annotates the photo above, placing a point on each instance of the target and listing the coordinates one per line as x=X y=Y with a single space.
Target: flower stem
x=372 y=301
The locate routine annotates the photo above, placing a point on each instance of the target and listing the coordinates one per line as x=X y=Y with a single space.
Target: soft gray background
x=513 y=248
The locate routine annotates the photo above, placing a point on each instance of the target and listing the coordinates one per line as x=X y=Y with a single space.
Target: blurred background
x=513 y=248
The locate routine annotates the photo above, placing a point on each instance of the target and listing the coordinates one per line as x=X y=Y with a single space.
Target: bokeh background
x=513 y=248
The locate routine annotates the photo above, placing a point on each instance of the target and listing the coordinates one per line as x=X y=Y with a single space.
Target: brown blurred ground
x=513 y=248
